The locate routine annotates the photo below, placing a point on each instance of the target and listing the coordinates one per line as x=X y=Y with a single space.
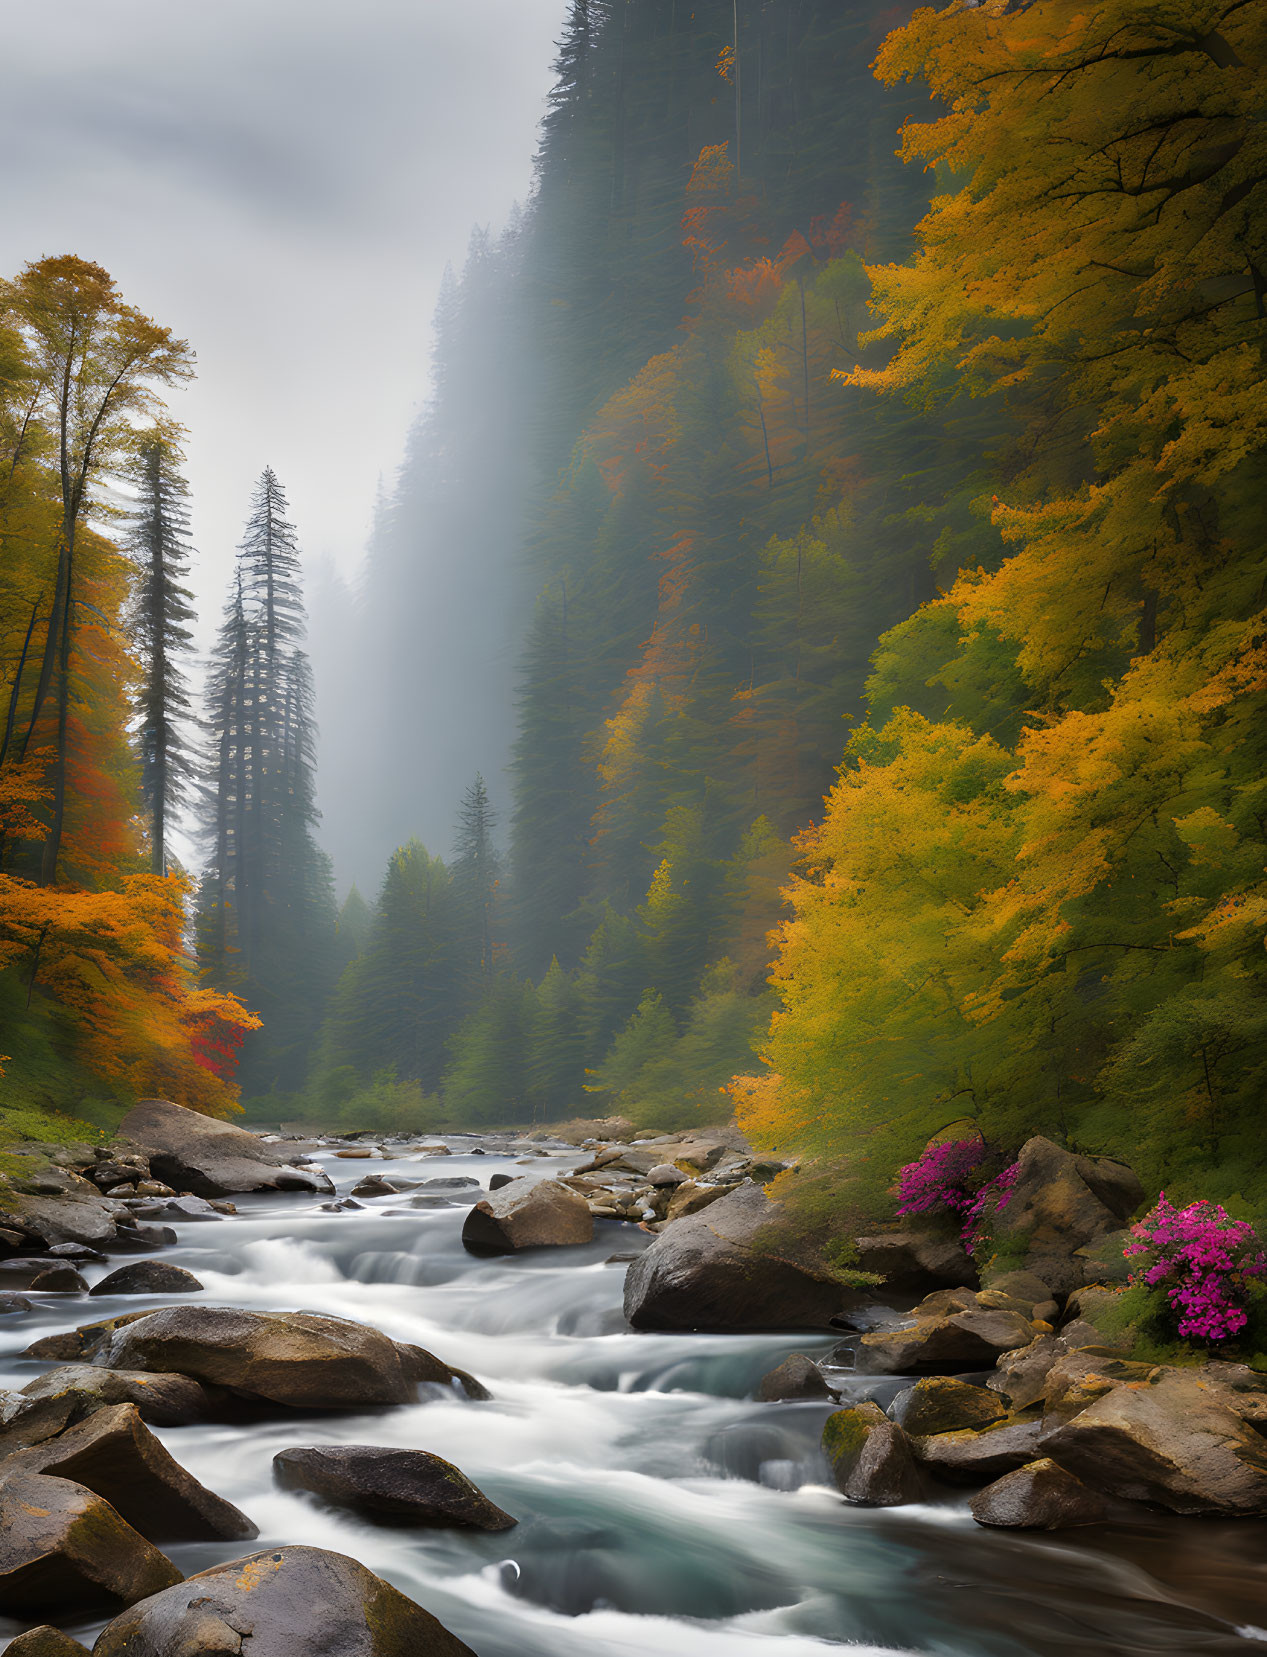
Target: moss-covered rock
x=62 y=1546
x=942 y=1404
x=870 y=1457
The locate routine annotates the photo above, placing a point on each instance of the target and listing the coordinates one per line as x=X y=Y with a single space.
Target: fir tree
x=475 y=878
x=162 y=608
x=267 y=912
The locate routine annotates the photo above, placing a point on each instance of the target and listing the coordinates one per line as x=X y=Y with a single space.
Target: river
x=661 y=1509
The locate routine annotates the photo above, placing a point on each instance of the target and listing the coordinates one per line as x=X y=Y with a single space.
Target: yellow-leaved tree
x=1098 y=261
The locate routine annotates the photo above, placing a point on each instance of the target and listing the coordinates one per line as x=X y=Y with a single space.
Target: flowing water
x=661 y=1510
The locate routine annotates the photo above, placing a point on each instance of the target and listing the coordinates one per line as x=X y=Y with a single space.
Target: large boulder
x=528 y=1214
x=401 y=1486
x=302 y=1359
x=148 y=1277
x=191 y=1152
x=45 y=1641
x=63 y=1396
x=870 y=1457
x=1038 y=1496
x=285 y=1602
x=62 y=1546
x=1171 y=1440
x=114 y=1454
x=736 y=1265
x=917 y=1260
x=1061 y=1203
x=941 y=1404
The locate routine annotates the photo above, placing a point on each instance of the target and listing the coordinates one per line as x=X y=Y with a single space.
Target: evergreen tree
x=162 y=609
x=475 y=880
x=267 y=909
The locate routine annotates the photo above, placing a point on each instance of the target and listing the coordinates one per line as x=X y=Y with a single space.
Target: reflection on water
x=661 y=1509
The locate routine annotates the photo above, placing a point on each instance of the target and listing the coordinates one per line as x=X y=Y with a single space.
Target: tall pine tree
x=266 y=922
x=162 y=609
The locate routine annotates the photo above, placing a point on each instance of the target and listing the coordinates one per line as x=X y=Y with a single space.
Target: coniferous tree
x=267 y=915
x=475 y=879
x=162 y=609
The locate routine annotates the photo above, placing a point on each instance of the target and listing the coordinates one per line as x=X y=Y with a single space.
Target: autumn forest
x=846 y=477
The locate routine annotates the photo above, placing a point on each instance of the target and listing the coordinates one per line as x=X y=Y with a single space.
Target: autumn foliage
x=96 y=985
x=1043 y=907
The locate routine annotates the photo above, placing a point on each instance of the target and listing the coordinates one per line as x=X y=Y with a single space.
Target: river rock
x=62 y=1546
x=870 y=1457
x=1170 y=1440
x=527 y=1214
x=796 y=1377
x=302 y=1359
x=45 y=1641
x=971 y=1339
x=113 y=1453
x=1060 y=1203
x=59 y=1280
x=737 y=1265
x=284 y=1602
x=66 y=1218
x=57 y=1400
x=117 y=1171
x=148 y=1277
x=1020 y=1375
x=1039 y=1496
x=191 y=1152
x=665 y=1174
x=917 y=1260
x=970 y=1457
x=402 y=1486
x=941 y=1404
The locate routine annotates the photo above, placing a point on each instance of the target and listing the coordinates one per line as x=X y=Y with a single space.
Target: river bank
x=659 y=1503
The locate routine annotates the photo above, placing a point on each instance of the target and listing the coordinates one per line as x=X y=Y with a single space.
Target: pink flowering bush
x=1207 y=1264
x=991 y=1199
x=953 y=1178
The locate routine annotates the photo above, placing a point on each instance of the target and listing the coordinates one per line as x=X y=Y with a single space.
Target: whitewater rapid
x=661 y=1509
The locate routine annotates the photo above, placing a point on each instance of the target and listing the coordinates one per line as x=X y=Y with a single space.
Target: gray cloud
x=281 y=182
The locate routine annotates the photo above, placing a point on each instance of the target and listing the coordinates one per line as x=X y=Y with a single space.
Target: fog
x=283 y=184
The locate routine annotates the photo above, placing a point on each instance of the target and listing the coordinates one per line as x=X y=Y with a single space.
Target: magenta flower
x=1207 y=1264
x=941 y=1178
x=952 y=1178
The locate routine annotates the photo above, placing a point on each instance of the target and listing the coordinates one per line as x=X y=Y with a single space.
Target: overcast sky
x=281 y=182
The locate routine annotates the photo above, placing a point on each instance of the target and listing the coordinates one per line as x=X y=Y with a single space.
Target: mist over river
x=661 y=1510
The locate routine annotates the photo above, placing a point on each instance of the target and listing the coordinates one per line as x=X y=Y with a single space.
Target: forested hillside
x=962 y=499
x=635 y=420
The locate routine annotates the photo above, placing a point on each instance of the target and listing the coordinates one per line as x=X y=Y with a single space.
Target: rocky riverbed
x=523 y=1397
